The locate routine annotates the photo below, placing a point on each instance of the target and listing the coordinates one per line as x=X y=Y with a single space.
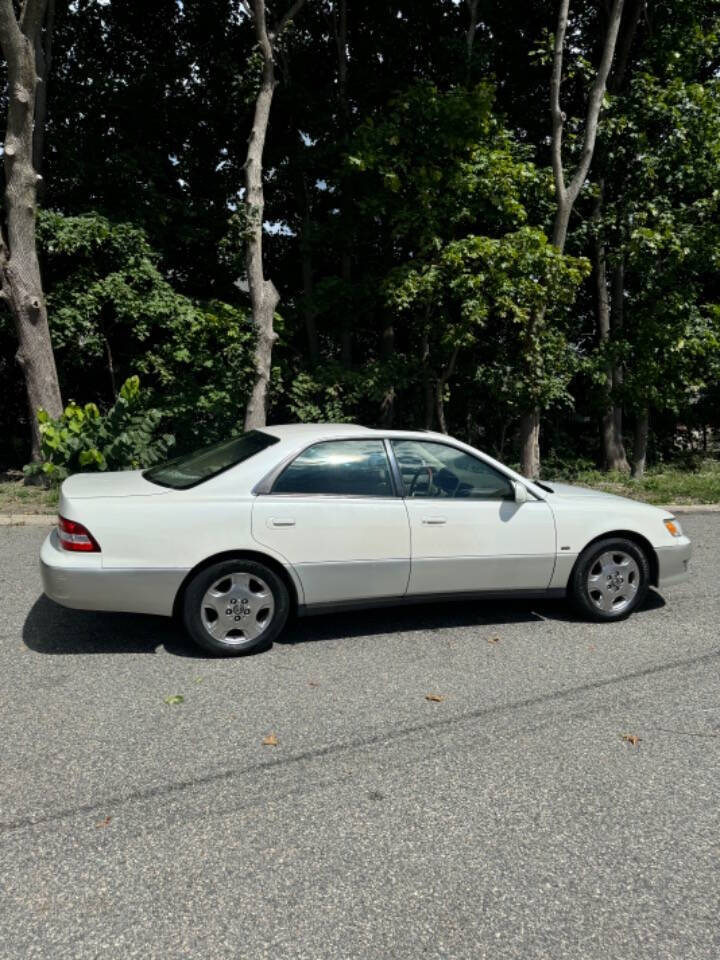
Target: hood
x=568 y=490
x=121 y=483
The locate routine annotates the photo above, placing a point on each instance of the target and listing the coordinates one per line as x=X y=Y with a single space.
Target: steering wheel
x=416 y=475
x=447 y=481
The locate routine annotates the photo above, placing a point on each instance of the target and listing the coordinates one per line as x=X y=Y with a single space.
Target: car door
x=336 y=517
x=467 y=531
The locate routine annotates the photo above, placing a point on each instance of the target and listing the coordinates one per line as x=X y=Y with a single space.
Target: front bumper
x=673 y=562
x=80 y=581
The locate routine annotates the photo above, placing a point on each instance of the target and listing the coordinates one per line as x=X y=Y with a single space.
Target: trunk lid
x=120 y=483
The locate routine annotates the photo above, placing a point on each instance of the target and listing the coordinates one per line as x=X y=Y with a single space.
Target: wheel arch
x=636 y=538
x=258 y=556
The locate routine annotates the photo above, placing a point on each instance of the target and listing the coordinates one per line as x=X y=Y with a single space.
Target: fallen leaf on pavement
x=104 y=822
x=631 y=738
x=435 y=697
x=175 y=698
x=493 y=639
x=270 y=740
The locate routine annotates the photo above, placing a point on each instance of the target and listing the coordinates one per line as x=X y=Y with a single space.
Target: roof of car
x=292 y=431
x=287 y=431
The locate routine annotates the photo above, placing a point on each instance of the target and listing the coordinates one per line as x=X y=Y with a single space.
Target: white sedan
x=306 y=518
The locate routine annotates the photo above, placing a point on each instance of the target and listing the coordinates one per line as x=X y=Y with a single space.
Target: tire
x=610 y=579
x=235 y=607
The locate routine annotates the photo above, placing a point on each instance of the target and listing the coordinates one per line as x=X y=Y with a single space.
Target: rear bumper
x=81 y=582
x=673 y=562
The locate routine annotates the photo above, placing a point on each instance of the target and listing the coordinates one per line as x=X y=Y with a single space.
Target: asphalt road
x=508 y=821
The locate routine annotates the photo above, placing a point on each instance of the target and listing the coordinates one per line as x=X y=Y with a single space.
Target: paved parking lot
x=507 y=820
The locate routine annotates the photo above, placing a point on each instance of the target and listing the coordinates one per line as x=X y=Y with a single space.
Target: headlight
x=673 y=527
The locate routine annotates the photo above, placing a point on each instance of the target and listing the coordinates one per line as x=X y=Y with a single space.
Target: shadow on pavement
x=437 y=616
x=52 y=629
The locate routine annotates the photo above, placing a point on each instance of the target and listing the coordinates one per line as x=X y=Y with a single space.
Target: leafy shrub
x=83 y=439
x=113 y=312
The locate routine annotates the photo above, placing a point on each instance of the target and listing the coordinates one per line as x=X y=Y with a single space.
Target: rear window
x=193 y=468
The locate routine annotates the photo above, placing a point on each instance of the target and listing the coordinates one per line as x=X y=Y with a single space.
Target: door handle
x=282 y=522
x=434 y=521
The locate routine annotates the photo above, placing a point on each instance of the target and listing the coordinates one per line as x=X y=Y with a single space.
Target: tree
x=22 y=287
x=566 y=193
x=264 y=296
x=610 y=290
x=655 y=222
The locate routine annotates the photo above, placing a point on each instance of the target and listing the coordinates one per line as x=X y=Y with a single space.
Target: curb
x=50 y=519
x=691 y=507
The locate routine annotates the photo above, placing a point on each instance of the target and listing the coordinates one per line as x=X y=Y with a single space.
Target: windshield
x=201 y=465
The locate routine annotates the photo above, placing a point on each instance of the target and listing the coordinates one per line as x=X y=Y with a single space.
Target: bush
x=113 y=313
x=83 y=439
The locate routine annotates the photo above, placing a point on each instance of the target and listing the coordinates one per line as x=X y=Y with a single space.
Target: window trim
x=440 y=443
x=266 y=486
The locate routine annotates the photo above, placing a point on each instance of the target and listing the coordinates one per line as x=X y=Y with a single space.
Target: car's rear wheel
x=235 y=606
x=610 y=579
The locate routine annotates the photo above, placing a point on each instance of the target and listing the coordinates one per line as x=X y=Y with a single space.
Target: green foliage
x=113 y=313
x=318 y=399
x=83 y=439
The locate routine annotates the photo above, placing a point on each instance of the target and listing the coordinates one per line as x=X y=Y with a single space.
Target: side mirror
x=521 y=494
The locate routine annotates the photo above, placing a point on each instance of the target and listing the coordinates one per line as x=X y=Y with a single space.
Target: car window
x=438 y=470
x=194 y=468
x=350 y=468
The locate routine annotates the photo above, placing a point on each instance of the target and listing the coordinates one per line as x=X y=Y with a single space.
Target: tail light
x=74 y=536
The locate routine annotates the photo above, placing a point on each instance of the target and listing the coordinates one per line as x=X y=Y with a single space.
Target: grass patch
x=15 y=497
x=662 y=484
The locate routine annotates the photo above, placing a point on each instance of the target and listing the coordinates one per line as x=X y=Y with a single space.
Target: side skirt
x=310 y=610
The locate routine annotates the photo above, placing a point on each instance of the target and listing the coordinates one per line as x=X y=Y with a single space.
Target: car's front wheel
x=610 y=579
x=235 y=606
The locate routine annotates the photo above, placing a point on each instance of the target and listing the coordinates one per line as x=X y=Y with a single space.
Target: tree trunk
x=617 y=321
x=440 y=406
x=387 y=349
x=610 y=313
x=339 y=14
x=111 y=368
x=427 y=383
x=642 y=432
x=309 y=312
x=530 y=444
x=19 y=268
x=440 y=389
x=567 y=193
x=43 y=62
x=346 y=343
x=613 y=450
x=472 y=6
x=264 y=298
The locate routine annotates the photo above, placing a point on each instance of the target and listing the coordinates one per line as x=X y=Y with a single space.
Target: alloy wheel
x=612 y=581
x=237 y=608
